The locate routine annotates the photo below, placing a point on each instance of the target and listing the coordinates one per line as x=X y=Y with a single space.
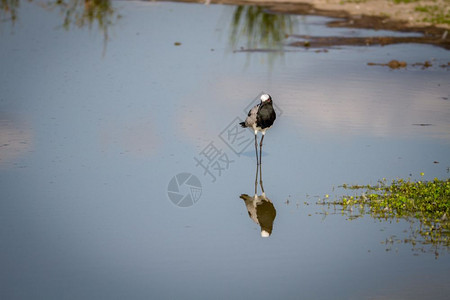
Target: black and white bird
x=260 y=118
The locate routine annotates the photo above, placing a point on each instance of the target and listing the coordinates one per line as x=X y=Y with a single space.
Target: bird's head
x=265 y=233
x=265 y=98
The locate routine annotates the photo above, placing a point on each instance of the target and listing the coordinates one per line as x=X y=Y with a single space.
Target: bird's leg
x=260 y=178
x=260 y=147
x=257 y=162
x=256 y=147
x=256 y=181
x=260 y=161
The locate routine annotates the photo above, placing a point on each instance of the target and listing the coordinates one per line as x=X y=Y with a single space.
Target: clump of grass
x=425 y=204
x=434 y=14
x=437 y=13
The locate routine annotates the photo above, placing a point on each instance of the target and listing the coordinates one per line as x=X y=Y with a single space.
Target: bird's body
x=262 y=116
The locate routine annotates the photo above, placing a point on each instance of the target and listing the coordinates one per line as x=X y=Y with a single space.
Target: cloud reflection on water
x=366 y=107
x=136 y=138
x=16 y=139
x=327 y=105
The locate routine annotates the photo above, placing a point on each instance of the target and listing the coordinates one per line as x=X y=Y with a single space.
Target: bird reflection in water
x=260 y=208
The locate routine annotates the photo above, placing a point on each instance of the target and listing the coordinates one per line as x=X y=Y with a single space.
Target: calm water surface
x=91 y=135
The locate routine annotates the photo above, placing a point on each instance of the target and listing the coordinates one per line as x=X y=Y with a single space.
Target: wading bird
x=260 y=118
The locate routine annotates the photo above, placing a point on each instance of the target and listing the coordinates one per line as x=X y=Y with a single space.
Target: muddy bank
x=439 y=36
x=332 y=41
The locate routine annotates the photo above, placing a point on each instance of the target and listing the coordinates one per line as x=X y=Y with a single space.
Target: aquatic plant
x=86 y=12
x=79 y=13
x=259 y=27
x=424 y=204
x=8 y=10
x=256 y=29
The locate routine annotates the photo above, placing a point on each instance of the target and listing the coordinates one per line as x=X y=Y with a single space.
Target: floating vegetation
x=424 y=204
x=393 y=64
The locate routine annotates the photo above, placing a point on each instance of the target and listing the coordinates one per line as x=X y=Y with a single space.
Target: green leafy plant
x=425 y=204
x=434 y=14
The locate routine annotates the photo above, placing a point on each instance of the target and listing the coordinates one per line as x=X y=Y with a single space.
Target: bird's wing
x=251 y=118
x=254 y=110
x=251 y=208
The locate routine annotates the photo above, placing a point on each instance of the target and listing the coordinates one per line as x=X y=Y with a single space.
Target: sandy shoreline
x=370 y=14
x=410 y=13
x=376 y=14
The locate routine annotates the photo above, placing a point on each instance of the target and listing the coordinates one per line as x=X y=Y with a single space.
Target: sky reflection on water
x=93 y=141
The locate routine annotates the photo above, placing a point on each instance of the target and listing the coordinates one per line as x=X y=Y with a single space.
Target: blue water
x=92 y=132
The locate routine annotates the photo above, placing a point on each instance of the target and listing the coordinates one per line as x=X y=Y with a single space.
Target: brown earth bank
x=368 y=14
